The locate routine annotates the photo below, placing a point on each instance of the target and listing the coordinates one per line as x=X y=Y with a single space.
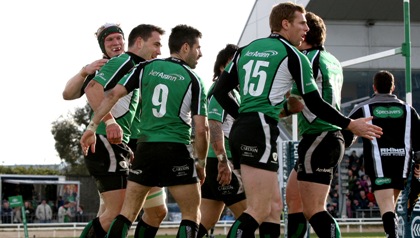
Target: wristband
x=221 y=158
x=92 y=126
x=201 y=162
x=110 y=121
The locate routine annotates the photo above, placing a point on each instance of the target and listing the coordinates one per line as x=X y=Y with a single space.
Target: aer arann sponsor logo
x=171 y=77
x=265 y=54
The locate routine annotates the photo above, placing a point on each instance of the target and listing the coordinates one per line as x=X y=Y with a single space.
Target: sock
x=99 y=231
x=269 y=230
x=325 y=225
x=296 y=225
x=119 y=227
x=144 y=230
x=389 y=221
x=88 y=232
x=245 y=227
x=187 y=229
x=202 y=231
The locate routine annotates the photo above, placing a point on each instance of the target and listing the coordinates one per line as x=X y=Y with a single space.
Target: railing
x=74 y=229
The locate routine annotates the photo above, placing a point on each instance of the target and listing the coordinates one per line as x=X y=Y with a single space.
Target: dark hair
x=317 y=30
x=144 y=31
x=383 y=81
x=223 y=57
x=283 y=11
x=180 y=35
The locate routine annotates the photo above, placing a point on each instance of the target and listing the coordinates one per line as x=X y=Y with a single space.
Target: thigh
x=211 y=211
x=293 y=199
x=259 y=191
x=188 y=199
x=314 y=196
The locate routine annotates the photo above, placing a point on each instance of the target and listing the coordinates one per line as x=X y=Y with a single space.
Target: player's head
x=145 y=40
x=111 y=39
x=288 y=19
x=383 y=82
x=222 y=59
x=184 y=41
x=317 y=30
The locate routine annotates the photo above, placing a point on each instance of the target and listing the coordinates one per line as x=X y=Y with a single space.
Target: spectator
x=29 y=212
x=363 y=200
x=332 y=210
x=43 y=212
x=228 y=216
x=349 y=209
x=80 y=216
x=6 y=213
x=370 y=195
x=60 y=201
x=17 y=215
x=64 y=212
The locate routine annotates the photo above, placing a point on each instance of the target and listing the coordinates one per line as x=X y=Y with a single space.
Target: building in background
x=355 y=29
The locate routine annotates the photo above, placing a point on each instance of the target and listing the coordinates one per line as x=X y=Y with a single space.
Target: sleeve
x=324 y=110
x=199 y=97
x=216 y=112
x=227 y=82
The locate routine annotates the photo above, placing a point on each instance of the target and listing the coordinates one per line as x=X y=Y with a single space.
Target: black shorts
x=389 y=172
x=211 y=189
x=163 y=164
x=132 y=143
x=253 y=141
x=110 y=182
x=318 y=155
x=109 y=160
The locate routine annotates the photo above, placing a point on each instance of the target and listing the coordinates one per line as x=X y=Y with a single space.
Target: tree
x=67 y=133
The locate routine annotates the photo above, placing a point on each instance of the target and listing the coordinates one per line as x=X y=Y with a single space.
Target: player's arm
x=73 y=88
x=300 y=68
x=201 y=144
x=88 y=139
x=226 y=83
x=95 y=94
x=217 y=142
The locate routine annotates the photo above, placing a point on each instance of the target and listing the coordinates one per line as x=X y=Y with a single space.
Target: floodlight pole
x=406 y=52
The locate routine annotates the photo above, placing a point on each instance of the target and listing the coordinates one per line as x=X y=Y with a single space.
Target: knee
x=155 y=215
x=161 y=212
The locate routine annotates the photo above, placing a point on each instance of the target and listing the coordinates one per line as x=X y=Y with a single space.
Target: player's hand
x=94 y=66
x=201 y=173
x=224 y=175
x=131 y=159
x=362 y=127
x=417 y=170
x=295 y=104
x=114 y=133
x=88 y=140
